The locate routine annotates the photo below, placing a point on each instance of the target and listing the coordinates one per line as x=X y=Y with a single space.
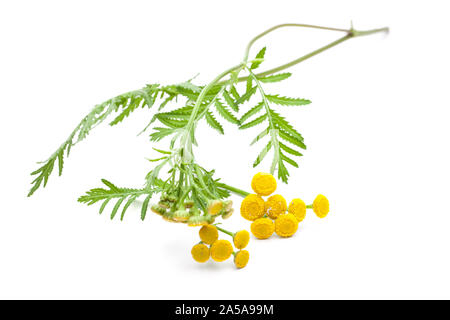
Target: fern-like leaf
x=246 y=96
x=262 y=154
x=213 y=123
x=112 y=192
x=254 y=122
x=264 y=133
x=259 y=58
x=225 y=113
x=275 y=77
x=229 y=100
x=285 y=101
x=125 y=103
x=252 y=112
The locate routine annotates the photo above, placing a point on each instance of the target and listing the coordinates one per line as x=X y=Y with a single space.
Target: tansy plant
x=189 y=192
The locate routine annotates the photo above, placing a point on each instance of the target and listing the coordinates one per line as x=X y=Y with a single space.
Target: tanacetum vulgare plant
x=190 y=193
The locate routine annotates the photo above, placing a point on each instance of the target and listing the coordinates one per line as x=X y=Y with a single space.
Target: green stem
x=309 y=206
x=351 y=33
x=199 y=101
x=237 y=191
x=262 y=34
x=225 y=231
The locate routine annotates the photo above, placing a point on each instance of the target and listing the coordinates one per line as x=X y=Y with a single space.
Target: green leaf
x=213 y=122
x=102 y=207
x=285 y=101
x=172 y=123
x=262 y=154
x=249 y=84
x=234 y=92
x=161 y=133
x=254 y=122
x=275 y=77
x=125 y=207
x=282 y=124
x=286 y=137
x=229 y=100
x=110 y=185
x=225 y=113
x=162 y=151
x=288 y=160
x=283 y=173
x=145 y=206
x=126 y=103
x=260 y=136
x=260 y=55
x=289 y=150
x=190 y=86
x=156 y=160
x=116 y=207
x=246 y=96
x=252 y=112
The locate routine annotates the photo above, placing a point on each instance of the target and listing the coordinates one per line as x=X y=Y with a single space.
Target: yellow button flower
x=215 y=207
x=264 y=184
x=241 y=239
x=298 y=208
x=262 y=228
x=275 y=206
x=286 y=225
x=241 y=258
x=208 y=234
x=221 y=250
x=200 y=253
x=321 y=206
x=252 y=207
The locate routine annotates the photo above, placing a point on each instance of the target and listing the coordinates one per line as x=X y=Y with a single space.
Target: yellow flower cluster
x=219 y=250
x=274 y=215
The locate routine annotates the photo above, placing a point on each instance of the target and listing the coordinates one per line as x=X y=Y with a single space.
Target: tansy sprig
x=190 y=193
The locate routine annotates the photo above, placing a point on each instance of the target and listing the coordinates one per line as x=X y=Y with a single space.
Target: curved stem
x=262 y=34
x=351 y=33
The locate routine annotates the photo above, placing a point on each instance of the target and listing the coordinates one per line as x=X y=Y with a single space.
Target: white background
x=377 y=135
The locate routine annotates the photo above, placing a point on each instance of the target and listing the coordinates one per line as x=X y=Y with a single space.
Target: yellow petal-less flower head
x=262 y=228
x=275 y=205
x=321 y=206
x=252 y=207
x=286 y=225
x=208 y=234
x=298 y=208
x=215 y=207
x=221 y=250
x=200 y=253
x=241 y=239
x=228 y=214
x=264 y=184
x=241 y=259
x=196 y=221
